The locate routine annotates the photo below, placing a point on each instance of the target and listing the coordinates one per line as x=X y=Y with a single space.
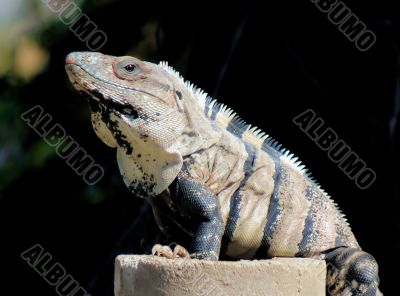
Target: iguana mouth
x=95 y=97
x=70 y=71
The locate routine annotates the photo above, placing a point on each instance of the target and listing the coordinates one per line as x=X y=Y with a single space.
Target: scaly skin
x=210 y=176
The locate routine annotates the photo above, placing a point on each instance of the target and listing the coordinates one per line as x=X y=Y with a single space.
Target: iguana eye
x=130 y=68
x=126 y=69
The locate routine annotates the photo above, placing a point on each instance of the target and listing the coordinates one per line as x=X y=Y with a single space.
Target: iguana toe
x=162 y=251
x=166 y=251
x=181 y=252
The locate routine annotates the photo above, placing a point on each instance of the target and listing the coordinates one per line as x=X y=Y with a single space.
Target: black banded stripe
x=237 y=127
x=207 y=106
x=309 y=224
x=236 y=199
x=272 y=147
x=274 y=212
x=216 y=109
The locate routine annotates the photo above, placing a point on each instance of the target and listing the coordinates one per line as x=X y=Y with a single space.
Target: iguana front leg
x=169 y=227
x=200 y=206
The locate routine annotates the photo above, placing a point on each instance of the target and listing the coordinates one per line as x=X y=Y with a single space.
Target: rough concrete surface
x=148 y=275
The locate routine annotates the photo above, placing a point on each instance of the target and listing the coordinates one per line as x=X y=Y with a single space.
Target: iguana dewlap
x=209 y=175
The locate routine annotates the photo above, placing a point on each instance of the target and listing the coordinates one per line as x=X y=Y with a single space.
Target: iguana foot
x=166 y=251
x=351 y=272
x=181 y=252
x=162 y=251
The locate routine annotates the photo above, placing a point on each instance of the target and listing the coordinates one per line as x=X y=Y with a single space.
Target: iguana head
x=140 y=109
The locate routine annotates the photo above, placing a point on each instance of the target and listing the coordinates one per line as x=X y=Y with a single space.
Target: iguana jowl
x=208 y=174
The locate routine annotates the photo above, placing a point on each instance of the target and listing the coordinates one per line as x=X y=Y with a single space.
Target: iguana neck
x=200 y=133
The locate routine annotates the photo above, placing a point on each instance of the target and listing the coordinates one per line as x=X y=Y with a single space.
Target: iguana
x=209 y=175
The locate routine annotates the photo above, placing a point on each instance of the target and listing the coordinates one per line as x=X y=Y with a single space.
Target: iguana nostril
x=70 y=59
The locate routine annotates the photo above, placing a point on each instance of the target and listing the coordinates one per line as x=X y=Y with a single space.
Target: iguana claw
x=166 y=251
x=181 y=252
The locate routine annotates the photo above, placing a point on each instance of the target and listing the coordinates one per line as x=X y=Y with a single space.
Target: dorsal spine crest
x=225 y=117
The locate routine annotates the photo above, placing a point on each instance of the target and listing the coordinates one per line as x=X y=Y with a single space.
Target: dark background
x=267 y=62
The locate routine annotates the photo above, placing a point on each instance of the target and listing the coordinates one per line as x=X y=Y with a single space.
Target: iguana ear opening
x=148 y=172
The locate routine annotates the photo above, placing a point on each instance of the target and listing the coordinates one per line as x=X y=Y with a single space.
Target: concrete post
x=148 y=276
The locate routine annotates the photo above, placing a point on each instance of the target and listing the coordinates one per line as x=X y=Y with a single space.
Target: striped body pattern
x=270 y=206
x=210 y=176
